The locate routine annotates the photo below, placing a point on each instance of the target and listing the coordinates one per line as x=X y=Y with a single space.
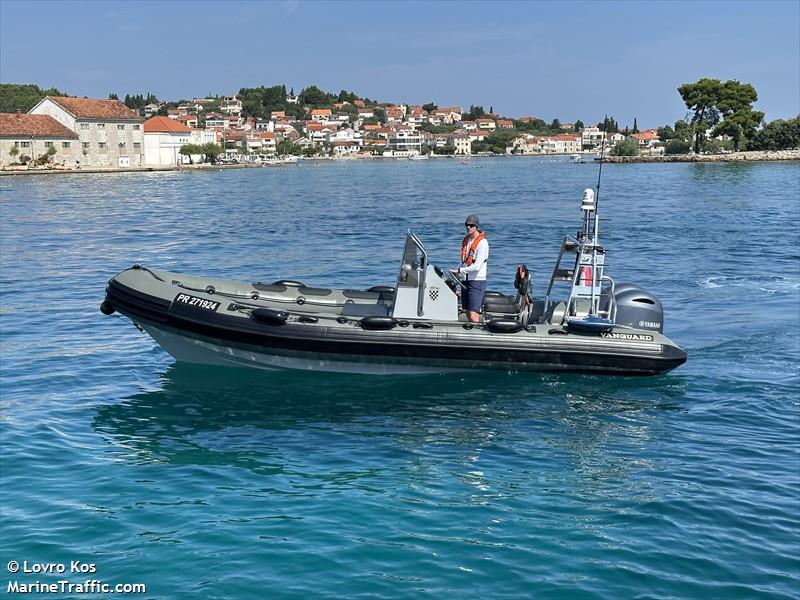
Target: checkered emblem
x=433 y=294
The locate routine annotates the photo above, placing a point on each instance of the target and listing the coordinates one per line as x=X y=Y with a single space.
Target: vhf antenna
x=599 y=175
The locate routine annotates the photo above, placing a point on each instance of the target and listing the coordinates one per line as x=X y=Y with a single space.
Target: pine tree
x=635 y=127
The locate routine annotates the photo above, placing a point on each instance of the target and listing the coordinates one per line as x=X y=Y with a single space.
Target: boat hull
x=225 y=334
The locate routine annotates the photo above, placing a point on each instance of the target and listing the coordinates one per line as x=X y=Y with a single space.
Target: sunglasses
x=469 y=225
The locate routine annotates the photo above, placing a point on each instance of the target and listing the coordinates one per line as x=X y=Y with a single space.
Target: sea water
x=222 y=483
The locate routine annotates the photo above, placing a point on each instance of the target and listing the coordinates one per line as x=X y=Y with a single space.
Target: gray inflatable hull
x=231 y=323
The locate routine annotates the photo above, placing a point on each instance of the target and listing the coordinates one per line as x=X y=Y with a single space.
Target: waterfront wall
x=755 y=155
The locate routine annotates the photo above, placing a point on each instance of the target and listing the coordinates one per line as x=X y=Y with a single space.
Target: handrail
x=423 y=269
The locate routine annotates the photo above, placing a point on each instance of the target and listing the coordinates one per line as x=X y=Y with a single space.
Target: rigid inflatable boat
x=414 y=326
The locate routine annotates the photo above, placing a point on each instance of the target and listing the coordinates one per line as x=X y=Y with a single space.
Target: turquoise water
x=215 y=483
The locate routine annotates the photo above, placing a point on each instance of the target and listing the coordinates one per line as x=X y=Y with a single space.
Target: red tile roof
x=88 y=108
x=38 y=126
x=164 y=125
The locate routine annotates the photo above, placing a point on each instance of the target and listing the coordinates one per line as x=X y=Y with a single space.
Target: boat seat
x=365 y=310
x=498 y=304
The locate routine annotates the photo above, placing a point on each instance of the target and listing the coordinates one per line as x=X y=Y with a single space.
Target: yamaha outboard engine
x=638 y=308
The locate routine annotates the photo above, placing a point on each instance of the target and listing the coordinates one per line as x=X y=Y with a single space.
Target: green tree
x=635 y=126
x=313 y=96
x=536 y=127
x=429 y=107
x=189 y=150
x=739 y=120
x=609 y=125
x=683 y=130
x=13 y=153
x=210 y=152
x=430 y=128
x=23 y=97
x=475 y=112
x=777 y=135
x=701 y=98
x=665 y=133
x=380 y=114
x=625 y=148
x=579 y=126
x=285 y=147
x=674 y=146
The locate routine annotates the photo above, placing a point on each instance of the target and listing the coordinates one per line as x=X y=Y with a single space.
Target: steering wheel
x=451 y=280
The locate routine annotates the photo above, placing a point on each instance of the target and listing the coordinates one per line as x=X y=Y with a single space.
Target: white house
x=405 y=142
x=231 y=105
x=591 y=136
x=462 y=143
x=163 y=138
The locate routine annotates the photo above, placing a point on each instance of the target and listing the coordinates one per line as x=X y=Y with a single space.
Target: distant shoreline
x=751 y=156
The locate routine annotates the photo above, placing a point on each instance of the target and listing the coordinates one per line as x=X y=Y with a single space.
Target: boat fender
x=403 y=323
x=468 y=325
x=377 y=323
x=254 y=296
x=210 y=289
x=301 y=300
x=307 y=319
x=382 y=289
x=269 y=315
x=107 y=308
x=504 y=326
x=289 y=282
x=342 y=320
x=423 y=325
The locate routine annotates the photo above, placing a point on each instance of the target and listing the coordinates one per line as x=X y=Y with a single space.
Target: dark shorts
x=472 y=295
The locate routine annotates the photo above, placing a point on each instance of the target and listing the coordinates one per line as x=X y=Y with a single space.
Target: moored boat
x=413 y=326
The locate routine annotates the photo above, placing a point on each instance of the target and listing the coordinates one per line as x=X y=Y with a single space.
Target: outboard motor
x=638 y=308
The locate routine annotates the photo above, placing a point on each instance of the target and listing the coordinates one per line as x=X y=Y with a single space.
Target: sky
x=552 y=60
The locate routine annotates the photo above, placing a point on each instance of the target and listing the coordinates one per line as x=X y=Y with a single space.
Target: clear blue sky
x=565 y=60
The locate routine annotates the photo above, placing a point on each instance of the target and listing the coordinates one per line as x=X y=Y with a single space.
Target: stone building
x=110 y=133
x=23 y=135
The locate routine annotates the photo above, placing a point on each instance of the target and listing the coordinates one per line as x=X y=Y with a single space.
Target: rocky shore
x=756 y=155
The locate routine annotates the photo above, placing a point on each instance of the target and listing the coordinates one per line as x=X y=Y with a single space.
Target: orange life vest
x=468 y=249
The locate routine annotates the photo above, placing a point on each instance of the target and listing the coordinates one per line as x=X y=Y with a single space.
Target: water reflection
x=539 y=426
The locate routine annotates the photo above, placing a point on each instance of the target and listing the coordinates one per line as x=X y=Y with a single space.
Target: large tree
x=739 y=120
x=725 y=108
x=702 y=97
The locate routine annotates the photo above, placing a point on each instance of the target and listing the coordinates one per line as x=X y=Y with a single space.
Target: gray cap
x=472 y=220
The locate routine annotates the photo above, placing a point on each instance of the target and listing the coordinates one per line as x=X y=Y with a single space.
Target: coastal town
x=263 y=126
x=69 y=133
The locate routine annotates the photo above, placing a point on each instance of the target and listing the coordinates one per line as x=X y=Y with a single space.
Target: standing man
x=474 y=259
